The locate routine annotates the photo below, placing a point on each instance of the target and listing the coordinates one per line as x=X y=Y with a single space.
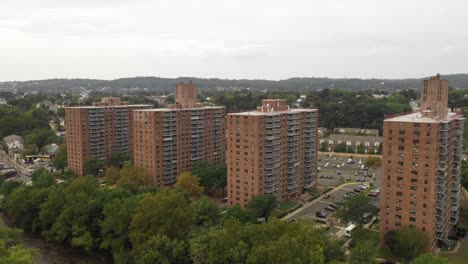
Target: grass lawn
x=286 y=205
x=461 y=257
x=276 y=213
x=306 y=222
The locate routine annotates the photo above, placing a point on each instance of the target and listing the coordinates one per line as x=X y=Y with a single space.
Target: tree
x=324 y=146
x=117 y=159
x=205 y=211
x=355 y=209
x=60 y=159
x=165 y=213
x=112 y=175
x=211 y=177
x=360 y=149
x=373 y=162
x=238 y=213
x=117 y=216
x=11 y=249
x=226 y=245
x=41 y=137
x=163 y=250
x=190 y=184
x=8 y=187
x=133 y=177
x=280 y=242
x=429 y=259
x=407 y=243
x=464 y=174
x=92 y=166
x=262 y=205
x=364 y=252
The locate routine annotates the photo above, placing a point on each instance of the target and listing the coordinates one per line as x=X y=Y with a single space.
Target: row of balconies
x=442 y=189
x=271 y=184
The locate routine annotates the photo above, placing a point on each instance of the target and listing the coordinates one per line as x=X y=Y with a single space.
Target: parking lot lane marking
x=324 y=202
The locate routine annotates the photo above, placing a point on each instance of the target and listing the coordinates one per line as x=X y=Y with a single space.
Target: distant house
x=3 y=101
x=356 y=131
x=14 y=144
x=322 y=131
x=368 y=143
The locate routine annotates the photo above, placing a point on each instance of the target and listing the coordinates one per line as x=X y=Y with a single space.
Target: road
x=310 y=208
x=22 y=169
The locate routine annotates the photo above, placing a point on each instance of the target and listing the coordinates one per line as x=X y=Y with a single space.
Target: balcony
x=442 y=189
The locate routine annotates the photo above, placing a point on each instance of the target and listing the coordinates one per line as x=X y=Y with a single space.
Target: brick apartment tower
x=98 y=131
x=272 y=150
x=422 y=155
x=169 y=141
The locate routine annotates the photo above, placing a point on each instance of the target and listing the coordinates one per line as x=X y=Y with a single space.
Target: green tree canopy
x=262 y=205
x=165 y=213
x=364 y=252
x=407 y=243
x=189 y=183
x=356 y=208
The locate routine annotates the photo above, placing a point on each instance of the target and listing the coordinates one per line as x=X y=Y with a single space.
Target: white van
x=349 y=229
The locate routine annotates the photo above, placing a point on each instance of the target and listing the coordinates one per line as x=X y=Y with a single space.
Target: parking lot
x=309 y=213
x=335 y=170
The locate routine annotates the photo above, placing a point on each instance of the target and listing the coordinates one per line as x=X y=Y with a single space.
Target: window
x=401 y=147
x=412 y=219
x=401 y=132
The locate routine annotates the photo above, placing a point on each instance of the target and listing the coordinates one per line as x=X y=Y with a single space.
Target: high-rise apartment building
x=169 y=141
x=272 y=150
x=98 y=131
x=422 y=155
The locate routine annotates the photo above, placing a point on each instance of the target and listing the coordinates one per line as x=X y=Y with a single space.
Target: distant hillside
x=160 y=85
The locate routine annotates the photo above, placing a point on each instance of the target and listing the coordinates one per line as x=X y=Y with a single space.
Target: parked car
x=329 y=208
x=321 y=214
x=326 y=196
x=357 y=190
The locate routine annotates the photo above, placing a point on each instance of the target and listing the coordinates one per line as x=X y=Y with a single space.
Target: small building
x=15 y=145
x=368 y=143
x=356 y=131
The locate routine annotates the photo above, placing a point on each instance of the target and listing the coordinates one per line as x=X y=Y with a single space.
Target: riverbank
x=54 y=253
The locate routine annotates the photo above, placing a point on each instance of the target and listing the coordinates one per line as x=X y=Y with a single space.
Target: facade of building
x=98 y=131
x=169 y=141
x=421 y=167
x=272 y=150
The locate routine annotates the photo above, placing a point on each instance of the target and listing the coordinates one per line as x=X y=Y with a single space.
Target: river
x=54 y=253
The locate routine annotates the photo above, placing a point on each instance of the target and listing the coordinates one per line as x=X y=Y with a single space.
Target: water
x=54 y=253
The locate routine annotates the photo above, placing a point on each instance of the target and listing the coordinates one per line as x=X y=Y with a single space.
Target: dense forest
x=139 y=224
x=166 y=85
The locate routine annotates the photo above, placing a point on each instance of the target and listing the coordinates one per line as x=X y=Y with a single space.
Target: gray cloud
x=231 y=39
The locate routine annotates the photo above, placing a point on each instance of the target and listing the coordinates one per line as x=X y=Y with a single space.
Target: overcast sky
x=255 y=39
